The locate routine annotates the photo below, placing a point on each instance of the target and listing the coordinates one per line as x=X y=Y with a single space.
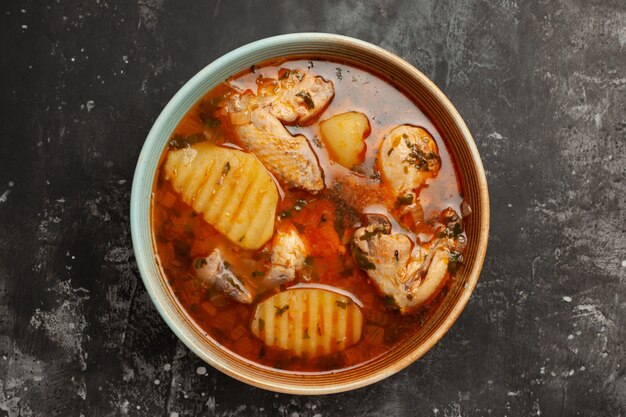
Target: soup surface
x=307 y=215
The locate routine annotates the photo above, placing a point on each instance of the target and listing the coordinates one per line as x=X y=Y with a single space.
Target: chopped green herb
x=179 y=141
x=226 y=265
x=261 y=325
x=308 y=261
x=405 y=200
x=341 y=304
x=317 y=142
x=452 y=230
x=307 y=99
x=390 y=302
x=200 y=262
x=252 y=68
x=299 y=204
x=455 y=260
x=226 y=169
x=281 y=310
x=285 y=214
x=262 y=352
x=362 y=260
x=421 y=160
x=338 y=73
x=284 y=75
x=306 y=334
x=207 y=110
x=257 y=274
x=211 y=122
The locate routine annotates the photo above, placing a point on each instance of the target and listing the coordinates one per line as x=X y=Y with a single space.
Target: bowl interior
x=432 y=102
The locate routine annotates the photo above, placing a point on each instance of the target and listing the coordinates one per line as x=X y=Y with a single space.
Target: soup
x=307 y=215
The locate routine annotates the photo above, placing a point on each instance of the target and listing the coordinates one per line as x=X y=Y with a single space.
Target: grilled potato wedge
x=308 y=321
x=232 y=189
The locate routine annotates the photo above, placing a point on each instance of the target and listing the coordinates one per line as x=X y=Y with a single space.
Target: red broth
x=326 y=221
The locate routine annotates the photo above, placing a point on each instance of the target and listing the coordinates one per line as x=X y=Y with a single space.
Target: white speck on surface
x=125 y=59
x=23 y=10
x=167 y=366
x=570 y=337
x=624 y=263
x=567 y=299
x=510 y=205
x=157 y=382
x=4 y=196
x=24 y=27
x=174 y=414
x=90 y=105
x=201 y=370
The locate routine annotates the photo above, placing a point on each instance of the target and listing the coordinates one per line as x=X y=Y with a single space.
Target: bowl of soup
x=309 y=214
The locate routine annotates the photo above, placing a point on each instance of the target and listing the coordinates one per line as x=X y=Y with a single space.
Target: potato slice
x=344 y=135
x=309 y=321
x=232 y=189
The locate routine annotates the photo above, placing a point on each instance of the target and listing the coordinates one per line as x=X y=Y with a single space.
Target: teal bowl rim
x=141 y=194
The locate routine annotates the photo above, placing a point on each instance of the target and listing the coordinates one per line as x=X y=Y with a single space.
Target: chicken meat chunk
x=289 y=158
x=297 y=97
x=407 y=157
x=409 y=274
x=213 y=272
x=288 y=255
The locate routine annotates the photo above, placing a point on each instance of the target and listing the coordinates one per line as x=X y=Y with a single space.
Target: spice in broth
x=307 y=215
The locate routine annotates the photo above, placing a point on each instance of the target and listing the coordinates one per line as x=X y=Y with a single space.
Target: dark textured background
x=542 y=86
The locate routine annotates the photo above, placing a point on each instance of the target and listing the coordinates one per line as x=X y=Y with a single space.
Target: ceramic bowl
x=432 y=102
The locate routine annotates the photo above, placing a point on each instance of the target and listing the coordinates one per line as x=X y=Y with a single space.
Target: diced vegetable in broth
x=308 y=321
x=299 y=233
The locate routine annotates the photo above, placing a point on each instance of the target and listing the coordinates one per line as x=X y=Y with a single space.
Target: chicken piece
x=289 y=158
x=407 y=157
x=383 y=256
x=213 y=272
x=411 y=276
x=288 y=255
x=297 y=97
